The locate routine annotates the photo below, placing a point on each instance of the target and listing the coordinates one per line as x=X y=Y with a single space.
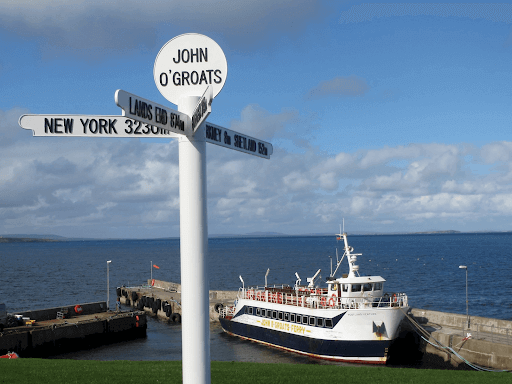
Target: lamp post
x=467 y=302
x=108 y=285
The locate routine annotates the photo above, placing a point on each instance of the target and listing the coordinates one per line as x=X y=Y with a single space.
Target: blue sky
x=394 y=116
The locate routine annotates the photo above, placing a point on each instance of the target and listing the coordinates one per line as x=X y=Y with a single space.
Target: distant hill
x=52 y=238
x=432 y=232
x=24 y=240
x=35 y=237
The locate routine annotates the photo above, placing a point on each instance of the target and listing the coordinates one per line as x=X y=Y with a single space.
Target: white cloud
x=127 y=188
x=83 y=27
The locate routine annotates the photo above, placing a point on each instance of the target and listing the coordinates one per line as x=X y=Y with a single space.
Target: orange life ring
x=251 y=295
x=323 y=301
x=279 y=298
x=332 y=301
x=78 y=309
x=394 y=298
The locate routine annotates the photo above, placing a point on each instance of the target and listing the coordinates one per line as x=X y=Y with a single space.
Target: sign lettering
x=283 y=326
x=188 y=63
x=150 y=113
x=235 y=140
x=89 y=126
x=202 y=109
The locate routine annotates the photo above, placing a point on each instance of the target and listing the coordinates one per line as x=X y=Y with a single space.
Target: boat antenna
x=266 y=274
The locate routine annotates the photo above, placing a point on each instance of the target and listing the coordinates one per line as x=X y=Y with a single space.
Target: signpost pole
x=193 y=250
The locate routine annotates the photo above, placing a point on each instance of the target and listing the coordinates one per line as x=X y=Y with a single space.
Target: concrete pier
x=52 y=331
x=486 y=343
x=163 y=299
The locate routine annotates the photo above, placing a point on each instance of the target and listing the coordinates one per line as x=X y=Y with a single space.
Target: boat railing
x=317 y=298
x=227 y=311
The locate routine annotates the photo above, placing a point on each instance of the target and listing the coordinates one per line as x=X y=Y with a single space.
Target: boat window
x=319 y=322
x=304 y=320
x=292 y=317
x=378 y=287
x=312 y=321
x=328 y=323
x=258 y=312
x=345 y=287
x=367 y=287
x=274 y=314
x=269 y=313
x=280 y=316
x=286 y=316
x=250 y=310
x=356 y=287
x=299 y=319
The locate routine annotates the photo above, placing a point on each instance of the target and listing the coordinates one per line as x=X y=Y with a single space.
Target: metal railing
x=317 y=298
x=491 y=333
x=228 y=311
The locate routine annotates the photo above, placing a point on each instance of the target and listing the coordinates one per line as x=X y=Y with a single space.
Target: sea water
x=426 y=267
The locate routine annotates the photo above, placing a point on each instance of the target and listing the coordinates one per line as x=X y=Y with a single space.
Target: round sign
x=187 y=64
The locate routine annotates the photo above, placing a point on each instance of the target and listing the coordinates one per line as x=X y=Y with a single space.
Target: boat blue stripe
x=331 y=348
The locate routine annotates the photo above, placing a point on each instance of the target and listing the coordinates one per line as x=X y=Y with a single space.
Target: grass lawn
x=35 y=371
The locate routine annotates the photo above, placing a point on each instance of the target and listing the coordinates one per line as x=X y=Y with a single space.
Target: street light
x=108 y=286
x=467 y=302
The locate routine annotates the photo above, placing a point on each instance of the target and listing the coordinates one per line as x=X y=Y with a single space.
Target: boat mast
x=351 y=257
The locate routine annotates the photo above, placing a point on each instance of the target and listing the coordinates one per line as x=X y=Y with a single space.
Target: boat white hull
x=356 y=335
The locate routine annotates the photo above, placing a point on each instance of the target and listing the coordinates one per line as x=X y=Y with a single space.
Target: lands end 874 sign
x=187 y=64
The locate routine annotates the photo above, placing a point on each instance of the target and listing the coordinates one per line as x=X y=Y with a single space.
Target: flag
x=156 y=266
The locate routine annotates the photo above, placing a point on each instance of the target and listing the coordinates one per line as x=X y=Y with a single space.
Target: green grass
x=35 y=371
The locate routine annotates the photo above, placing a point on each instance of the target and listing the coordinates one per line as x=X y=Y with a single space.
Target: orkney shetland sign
x=203 y=109
x=187 y=64
x=148 y=112
x=234 y=140
x=89 y=126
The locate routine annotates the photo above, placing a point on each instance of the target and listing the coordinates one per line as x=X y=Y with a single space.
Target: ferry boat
x=350 y=320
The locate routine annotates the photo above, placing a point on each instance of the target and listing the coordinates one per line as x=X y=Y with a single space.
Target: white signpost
x=190 y=70
x=184 y=68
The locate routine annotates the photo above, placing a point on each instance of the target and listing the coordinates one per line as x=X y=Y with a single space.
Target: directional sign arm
x=90 y=126
x=146 y=111
x=202 y=109
x=224 y=137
